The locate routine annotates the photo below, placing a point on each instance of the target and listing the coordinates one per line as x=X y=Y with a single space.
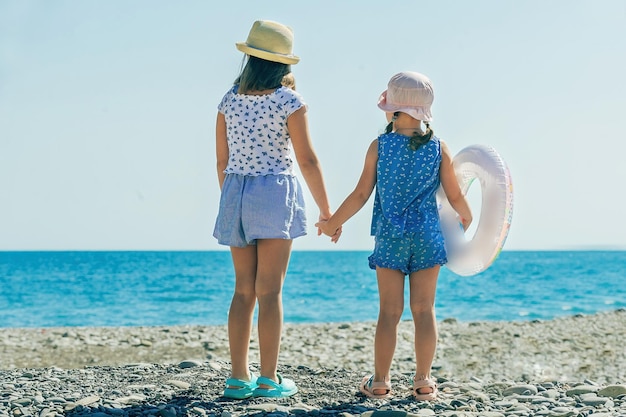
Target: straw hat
x=271 y=41
x=408 y=92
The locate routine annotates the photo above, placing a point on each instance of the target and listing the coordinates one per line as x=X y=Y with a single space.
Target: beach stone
x=566 y=401
x=612 y=391
x=167 y=412
x=142 y=387
x=448 y=385
x=70 y=406
x=525 y=389
x=582 y=389
x=179 y=384
x=88 y=400
x=140 y=365
x=189 y=364
x=595 y=401
x=519 y=409
x=478 y=396
x=505 y=403
x=562 y=412
x=267 y=407
x=300 y=408
x=131 y=399
x=534 y=399
x=550 y=393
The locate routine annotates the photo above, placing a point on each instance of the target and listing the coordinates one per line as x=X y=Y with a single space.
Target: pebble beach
x=568 y=366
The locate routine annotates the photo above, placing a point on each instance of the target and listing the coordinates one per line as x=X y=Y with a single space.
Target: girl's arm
x=357 y=198
x=307 y=160
x=221 y=147
x=452 y=189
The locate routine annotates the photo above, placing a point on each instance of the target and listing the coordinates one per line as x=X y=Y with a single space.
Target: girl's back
x=407 y=181
x=258 y=138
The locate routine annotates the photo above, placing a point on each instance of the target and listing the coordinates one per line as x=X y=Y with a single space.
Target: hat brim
x=266 y=55
x=419 y=113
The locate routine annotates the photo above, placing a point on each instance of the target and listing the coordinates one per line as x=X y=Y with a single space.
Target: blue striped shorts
x=259 y=207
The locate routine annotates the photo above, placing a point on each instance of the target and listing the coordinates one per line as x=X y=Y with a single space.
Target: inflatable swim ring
x=470 y=257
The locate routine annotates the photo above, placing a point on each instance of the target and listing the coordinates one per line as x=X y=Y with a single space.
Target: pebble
x=179 y=384
x=525 y=389
x=582 y=389
x=612 y=391
x=547 y=368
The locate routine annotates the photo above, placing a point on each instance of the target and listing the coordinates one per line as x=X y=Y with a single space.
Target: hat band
x=266 y=50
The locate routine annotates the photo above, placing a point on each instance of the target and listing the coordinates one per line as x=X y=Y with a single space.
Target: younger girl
x=406 y=164
x=261 y=210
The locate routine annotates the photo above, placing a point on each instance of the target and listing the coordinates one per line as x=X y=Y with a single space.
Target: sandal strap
x=270 y=382
x=424 y=383
x=234 y=382
x=241 y=383
x=378 y=384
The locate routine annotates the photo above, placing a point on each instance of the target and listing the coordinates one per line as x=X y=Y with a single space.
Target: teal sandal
x=240 y=389
x=282 y=389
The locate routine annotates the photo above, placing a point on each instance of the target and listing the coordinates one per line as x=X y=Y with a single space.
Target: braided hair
x=416 y=140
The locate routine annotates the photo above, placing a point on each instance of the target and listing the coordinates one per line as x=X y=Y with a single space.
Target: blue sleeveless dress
x=405 y=219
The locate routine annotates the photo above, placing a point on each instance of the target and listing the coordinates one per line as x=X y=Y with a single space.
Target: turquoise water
x=46 y=289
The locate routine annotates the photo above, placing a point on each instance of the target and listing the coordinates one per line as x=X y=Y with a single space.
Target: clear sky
x=107 y=111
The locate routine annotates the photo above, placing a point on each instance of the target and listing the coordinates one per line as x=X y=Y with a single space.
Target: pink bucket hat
x=408 y=92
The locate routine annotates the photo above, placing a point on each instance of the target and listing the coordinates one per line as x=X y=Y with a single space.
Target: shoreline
x=569 y=366
x=578 y=346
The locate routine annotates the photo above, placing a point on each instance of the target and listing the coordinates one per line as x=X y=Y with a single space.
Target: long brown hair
x=259 y=74
x=416 y=140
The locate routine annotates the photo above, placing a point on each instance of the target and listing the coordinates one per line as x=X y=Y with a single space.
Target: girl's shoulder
x=436 y=139
x=228 y=97
x=288 y=99
x=232 y=91
x=288 y=93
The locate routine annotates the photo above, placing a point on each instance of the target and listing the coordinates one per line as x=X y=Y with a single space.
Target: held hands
x=323 y=227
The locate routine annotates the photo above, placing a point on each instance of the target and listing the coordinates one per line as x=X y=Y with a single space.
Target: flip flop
x=282 y=389
x=240 y=389
x=368 y=387
x=422 y=384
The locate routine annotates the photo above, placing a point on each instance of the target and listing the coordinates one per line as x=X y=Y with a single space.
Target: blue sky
x=107 y=111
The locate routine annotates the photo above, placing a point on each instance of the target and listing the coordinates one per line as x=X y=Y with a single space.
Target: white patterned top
x=256 y=129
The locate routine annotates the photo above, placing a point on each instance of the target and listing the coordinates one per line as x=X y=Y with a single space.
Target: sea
x=163 y=288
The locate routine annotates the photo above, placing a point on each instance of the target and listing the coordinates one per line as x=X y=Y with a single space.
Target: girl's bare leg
x=242 y=309
x=273 y=259
x=391 y=292
x=423 y=286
